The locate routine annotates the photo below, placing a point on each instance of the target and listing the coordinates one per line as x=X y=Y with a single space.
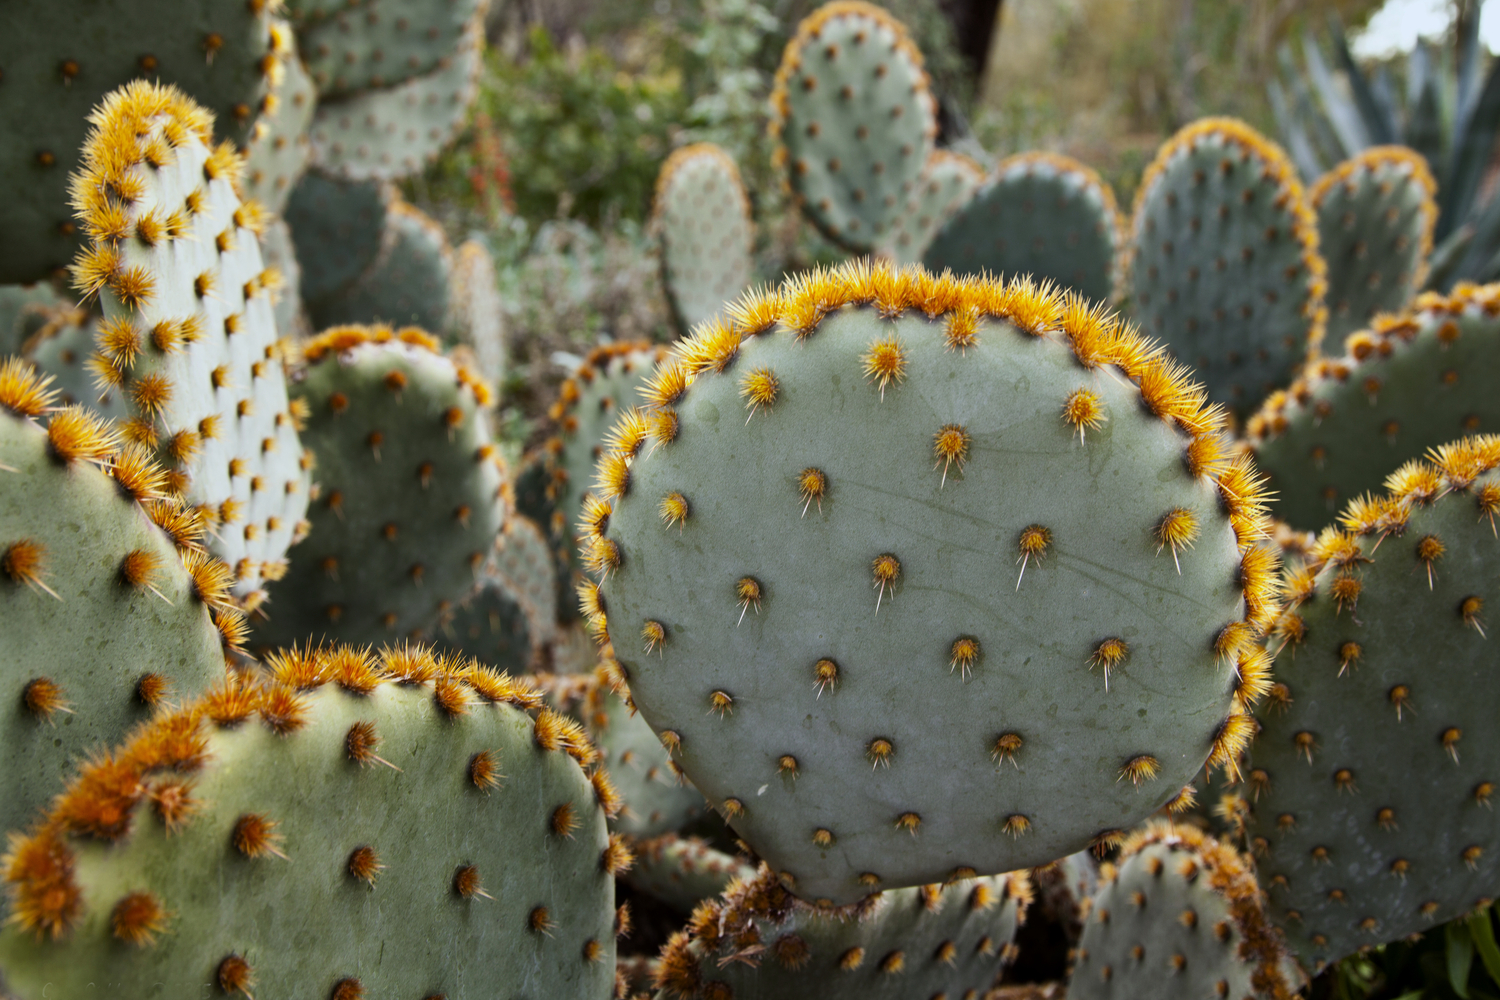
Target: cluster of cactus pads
x=918 y=589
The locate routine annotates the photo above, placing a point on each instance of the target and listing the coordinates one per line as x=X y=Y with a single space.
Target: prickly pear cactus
x=102 y=618
x=683 y=871
x=337 y=227
x=1179 y=915
x=1411 y=382
x=1371 y=784
x=477 y=315
x=437 y=840
x=61 y=59
x=405 y=285
x=947 y=184
x=524 y=565
x=62 y=349
x=278 y=149
x=25 y=309
x=702 y=218
x=280 y=256
x=381 y=43
x=1224 y=264
x=1376 y=215
x=855 y=119
x=1040 y=214
x=490 y=624
x=390 y=132
x=985 y=504
x=760 y=941
x=410 y=494
x=188 y=339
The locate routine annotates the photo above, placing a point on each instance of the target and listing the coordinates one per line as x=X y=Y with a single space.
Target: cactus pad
x=60 y=59
x=1372 y=780
x=1376 y=215
x=437 y=840
x=189 y=337
x=62 y=349
x=25 y=309
x=1179 y=915
x=683 y=871
x=392 y=132
x=523 y=563
x=876 y=499
x=337 y=228
x=1043 y=215
x=100 y=620
x=278 y=150
x=477 y=313
x=855 y=119
x=406 y=284
x=760 y=941
x=1410 y=383
x=410 y=489
x=702 y=217
x=947 y=184
x=1224 y=264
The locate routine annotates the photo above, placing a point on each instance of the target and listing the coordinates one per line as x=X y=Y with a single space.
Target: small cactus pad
x=702 y=217
x=1224 y=264
x=1376 y=214
x=855 y=119
x=430 y=836
x=60 y=59
x=280 y=257
x=1411 y=382
x=490 y=624
x=523 y=564
x=759 y=942
x=913 y=577
x=1371 y=785
x=381 y=43
x=278 y=149
x=947 y=184
x=189 y=338
x=683 y=871
x=62 y=349
x=391 y=132
x=1040 y=214
x=25 y=309
x=1179 y=915
x=410 y=489
x=477 y=314
x=337 y=228
x=406 y=284
x=100 y=620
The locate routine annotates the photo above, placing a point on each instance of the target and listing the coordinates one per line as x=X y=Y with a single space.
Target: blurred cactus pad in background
x=750 y=499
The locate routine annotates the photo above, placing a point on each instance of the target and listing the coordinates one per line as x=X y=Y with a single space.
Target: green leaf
x=1460 y=957
x=1482 y=932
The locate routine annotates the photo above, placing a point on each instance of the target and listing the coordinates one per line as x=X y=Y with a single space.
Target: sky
x=1397 y=25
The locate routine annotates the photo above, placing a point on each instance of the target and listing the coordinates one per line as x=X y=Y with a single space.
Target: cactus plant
x=759 y=940
x=1375 y=218
x=476 y=312
x=24 y=309
x=280 y=257
x=389 y=132
x=411 y=489
x=1369 y=794
x=1040 y=214
x=523 y=564
x=683 y=871
x=102 y=617
x=189 y=339
x=947 y=184
x=405 y=285
x=437 y=840
x=62 y=349
x=702 y=218
x=337 y=228
x=774 y=583
x=278 y=150
x=1180 y=914
x=382 y=43
x=488 y=623
x=855 y=120
x=1224 y=264
x=62 y=58
x=1411 y=382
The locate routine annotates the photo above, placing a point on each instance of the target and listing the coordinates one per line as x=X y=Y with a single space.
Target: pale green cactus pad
x=910 y=595
x=437 y=840
x=855 y=119
x=380 y=43
x=61 y=58
x=1180 y=915
x=1372 y=782
x=189 y=338
x=476 y=311
x=1040 y=214
x=1224 y=264
x=947 y=184
x=278 y=149
x=683 y=871
x=758 y=942
x=702 y=218
x=62 y=349
x=1412 y=382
